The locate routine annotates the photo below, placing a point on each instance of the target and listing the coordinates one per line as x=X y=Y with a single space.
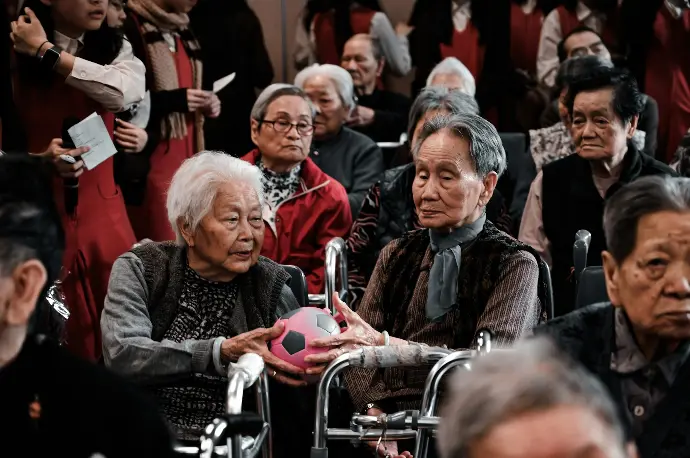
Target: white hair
x=340 y=77
x=452 y=66
x=535 y=376
x=195 y=185
x=274 y=92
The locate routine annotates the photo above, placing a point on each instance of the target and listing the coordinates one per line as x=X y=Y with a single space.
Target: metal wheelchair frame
x=418 y=425
x=248 y=371
x=336 y=266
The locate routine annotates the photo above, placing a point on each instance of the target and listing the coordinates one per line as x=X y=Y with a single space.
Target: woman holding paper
x=160 y=35
x=70 y=65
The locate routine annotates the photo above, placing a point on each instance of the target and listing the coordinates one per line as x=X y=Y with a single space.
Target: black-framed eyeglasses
x=283 y=126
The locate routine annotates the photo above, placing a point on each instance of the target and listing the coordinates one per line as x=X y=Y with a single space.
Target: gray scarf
x=443 y=277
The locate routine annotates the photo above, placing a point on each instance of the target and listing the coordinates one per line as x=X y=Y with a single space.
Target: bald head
x=362 y=58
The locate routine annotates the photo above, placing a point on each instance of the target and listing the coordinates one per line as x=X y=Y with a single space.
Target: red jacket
x=306 y=222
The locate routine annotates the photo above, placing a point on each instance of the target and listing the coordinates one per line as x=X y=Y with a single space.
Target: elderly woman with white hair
x=178 y=312
x=305 y=208
x=441 y=284
x=351 y=158
x=452 y=74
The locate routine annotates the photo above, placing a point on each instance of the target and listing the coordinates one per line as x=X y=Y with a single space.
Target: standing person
x=69 y=65
x=380 y=115
x=478 y=34
x=232 y=30
x=658 y=33
x=129 y=137
x=160 y=35
x=54 y=403
x=325 y=26
x=599 y=15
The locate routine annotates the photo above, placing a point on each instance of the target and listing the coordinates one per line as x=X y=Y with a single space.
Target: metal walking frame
x=336 y=266
x=248 y=371
x=417 y=425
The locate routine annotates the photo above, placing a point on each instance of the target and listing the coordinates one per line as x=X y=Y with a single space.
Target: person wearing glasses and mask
x=305 y=208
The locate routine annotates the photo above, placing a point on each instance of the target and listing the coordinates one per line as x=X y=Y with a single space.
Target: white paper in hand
x=92 y=132
x=221 y=83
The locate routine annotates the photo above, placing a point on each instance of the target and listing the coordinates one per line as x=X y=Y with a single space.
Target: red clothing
x=569 y=21
x=306 y=222
x=99 y=230
x=668 y=78
x=525 y=32
x=324 y=32
x=466 y=48
x=150 y=219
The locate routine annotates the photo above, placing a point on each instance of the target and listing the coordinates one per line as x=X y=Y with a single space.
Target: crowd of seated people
x=173 y=258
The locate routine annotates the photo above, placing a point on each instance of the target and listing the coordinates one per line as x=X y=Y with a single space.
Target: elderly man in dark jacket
x=569 y=194
x=639 y=343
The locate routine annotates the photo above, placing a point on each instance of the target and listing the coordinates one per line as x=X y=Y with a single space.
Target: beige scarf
x=165 y=78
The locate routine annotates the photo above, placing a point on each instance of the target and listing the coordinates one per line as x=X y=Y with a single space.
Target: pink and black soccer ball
x=301 y=327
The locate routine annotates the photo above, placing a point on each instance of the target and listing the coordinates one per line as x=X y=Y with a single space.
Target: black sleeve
x=649 y=124
x=261 y=67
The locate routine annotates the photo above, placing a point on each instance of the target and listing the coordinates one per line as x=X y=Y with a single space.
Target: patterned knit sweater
x=499 y=288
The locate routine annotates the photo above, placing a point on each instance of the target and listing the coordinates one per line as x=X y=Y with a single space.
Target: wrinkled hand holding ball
x=301 y=327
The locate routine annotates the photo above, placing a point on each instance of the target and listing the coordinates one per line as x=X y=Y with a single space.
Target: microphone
x=250 y=365
x=71 y=185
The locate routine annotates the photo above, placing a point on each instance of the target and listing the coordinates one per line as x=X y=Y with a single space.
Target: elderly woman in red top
x=70 y=65
x=305 y=208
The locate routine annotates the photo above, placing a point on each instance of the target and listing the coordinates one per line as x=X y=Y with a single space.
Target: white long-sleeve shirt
x=116 y=86
x=395 y=48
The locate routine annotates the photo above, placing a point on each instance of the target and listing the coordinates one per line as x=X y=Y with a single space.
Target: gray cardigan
x=353 y=160
x=130 y=344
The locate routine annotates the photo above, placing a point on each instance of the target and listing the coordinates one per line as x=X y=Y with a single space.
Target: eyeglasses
x=283 y=126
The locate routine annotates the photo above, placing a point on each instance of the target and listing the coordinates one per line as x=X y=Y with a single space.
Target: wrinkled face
x=560 y=432
x=116 y=14
x=358 y=59
x=230 y=236
x=598 y=133
x=586 y=44
x=653 y=283
x=450 y=81
x=75 y=17
x=331 y=113
x=447 y=191
x=280 y=150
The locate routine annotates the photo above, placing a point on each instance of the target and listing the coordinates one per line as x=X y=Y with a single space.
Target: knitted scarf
x=156 y=23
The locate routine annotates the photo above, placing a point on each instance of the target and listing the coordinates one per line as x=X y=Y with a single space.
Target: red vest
x=99 y=230
x=525 y=31
x=324 y=32
x=150 y=219
x=569 y=22
x=668 y=78
x=466 y=48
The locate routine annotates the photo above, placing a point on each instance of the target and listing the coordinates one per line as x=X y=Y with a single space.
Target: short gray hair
x=452 y=66
x=501 y=385
x=340 y=77
x=642 y=197
x=274 y=92
x=486 y=148
x=437 y=98
x=195 y=185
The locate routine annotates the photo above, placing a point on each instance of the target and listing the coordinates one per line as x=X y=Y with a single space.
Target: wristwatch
x=50 y=58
